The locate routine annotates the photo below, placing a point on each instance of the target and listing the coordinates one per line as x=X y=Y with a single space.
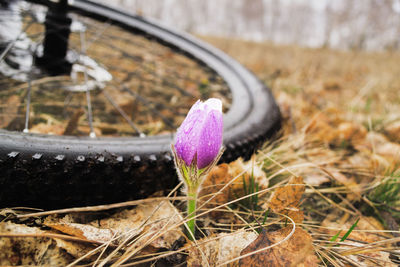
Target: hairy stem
x=191 y=211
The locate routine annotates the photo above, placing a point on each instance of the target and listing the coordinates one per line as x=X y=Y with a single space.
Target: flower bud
x=199 y=138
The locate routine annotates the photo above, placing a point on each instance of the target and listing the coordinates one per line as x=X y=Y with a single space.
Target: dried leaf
x=246 y=170
x=11 y=110
x=349 y=133
x=287 y=197
x=214 y=251
x=212 y=186
x=371 y=231
x=44 y=128
x=334 y=131
x=379 y=258
x=30 y=250
x=377 y=144
x=393 y=131
x=296 y=251
x=83 y=231
x=223 y=174
x=76 y=249
x=316 y=179
x=321 y=128
x=286 y=103
x=367 y=224
x=296 y=215
x=150 y=218
x=389 y=150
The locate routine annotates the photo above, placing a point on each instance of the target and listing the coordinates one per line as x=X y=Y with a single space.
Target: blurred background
x=372 y=25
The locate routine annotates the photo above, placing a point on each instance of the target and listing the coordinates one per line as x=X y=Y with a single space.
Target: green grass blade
x=333 y=239
x=346 y=235
x=265 y=216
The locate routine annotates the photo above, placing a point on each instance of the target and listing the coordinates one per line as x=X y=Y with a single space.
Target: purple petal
x=196 y=106
x=200 y=133
x=214 y=104
x=188 y=134
x=210 y=140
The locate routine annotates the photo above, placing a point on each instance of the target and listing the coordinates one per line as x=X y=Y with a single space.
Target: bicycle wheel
x=126 y=92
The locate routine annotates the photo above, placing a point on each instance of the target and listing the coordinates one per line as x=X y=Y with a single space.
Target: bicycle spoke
x=160 y=90
x=28 y=103
x=148 y=104
x=146 y=68
x=123 y=114
x=164 y=79
x=127 y=82
x=88 y=101
x=98 y=33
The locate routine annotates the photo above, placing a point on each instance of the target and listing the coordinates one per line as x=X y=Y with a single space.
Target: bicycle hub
x=55 y=45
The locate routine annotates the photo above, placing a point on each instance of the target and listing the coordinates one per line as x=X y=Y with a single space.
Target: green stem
x=191 y=211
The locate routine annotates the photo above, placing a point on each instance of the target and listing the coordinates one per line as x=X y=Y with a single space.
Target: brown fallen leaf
x=44 y=128
x=286 y=103
x=389 y=150
x=316 y=179
x=11 y=107
x=355 y=248
x=212 y=187
x=83 y=231
x=371 y=228
x=217 y=250
x=379 y=258
x=25 y=251
x=296 y=251
x=75 y=249
x=378 y=144
x=223 y=174
x=321 y=128
x=246 y=170
x=287 y=197
x=392 y=131
x=349 y=133
x=149 y=219
x=375 y=139
x=296 y=215
x=333 y=130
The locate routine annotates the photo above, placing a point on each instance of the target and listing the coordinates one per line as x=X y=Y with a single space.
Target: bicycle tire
x=47 y=171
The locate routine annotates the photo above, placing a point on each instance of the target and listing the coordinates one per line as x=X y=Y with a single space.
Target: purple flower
x=200 y=135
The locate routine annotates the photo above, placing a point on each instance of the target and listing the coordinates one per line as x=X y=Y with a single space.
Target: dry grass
x=337 y=107
x=362 y=85
x=335 y=104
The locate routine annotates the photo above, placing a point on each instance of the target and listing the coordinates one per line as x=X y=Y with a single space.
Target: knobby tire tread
x=48 y=172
